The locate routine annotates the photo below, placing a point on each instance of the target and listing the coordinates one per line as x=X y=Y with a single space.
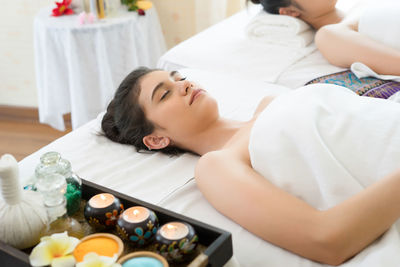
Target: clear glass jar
x=51 y=162
x=53 y=186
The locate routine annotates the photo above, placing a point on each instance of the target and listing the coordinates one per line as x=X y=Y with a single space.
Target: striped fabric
x=369 y=86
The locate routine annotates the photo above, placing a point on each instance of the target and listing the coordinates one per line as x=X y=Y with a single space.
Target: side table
x=78 y=67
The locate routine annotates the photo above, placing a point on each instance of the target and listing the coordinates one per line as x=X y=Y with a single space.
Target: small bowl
x=144 y=254
x=89 y=240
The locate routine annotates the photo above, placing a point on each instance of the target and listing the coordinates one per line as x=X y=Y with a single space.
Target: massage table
x=224 y=48
x=161 y=179
x=169 y=181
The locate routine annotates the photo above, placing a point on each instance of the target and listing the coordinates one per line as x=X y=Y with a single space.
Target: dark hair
x=272 y=6
x=125 y=121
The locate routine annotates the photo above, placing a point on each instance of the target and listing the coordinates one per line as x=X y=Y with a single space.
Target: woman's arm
x=330 y=236
x=342 y=45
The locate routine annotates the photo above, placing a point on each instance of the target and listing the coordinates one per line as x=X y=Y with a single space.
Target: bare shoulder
x=263 y=104
x=214 y=161
x=217 y=166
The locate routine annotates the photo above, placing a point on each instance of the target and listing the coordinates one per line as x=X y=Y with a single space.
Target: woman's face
x=315 y=8
x=177 y=107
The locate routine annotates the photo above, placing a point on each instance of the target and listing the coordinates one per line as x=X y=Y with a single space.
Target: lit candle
x=136 y=214
x=174 y=230
x=176 y=241
x=101 y=200
x=137 y=225
x=103 y=244
x=102 y=211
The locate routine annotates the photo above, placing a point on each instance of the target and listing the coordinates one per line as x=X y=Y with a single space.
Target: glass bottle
x=51 y=162
x=53 y=187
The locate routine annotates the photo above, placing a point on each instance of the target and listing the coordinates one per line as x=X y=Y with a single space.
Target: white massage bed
x=168 y=181
x=225 y=48
x=163 y=180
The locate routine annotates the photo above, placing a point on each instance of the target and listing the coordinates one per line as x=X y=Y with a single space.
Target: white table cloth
x=79 y=67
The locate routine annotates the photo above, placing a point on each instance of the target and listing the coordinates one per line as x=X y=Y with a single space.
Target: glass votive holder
x=176 y=241
x=143 y=258
x=137 y=225
x=102 y=244
x=102 y=211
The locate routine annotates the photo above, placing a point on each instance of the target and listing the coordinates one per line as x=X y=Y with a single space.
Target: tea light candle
x=174 y=230
x=176 y=241
x=137 y=225
x=101 y=200
x=143 y=258
x=102 y=211
x=136 y=214
x=103 y=244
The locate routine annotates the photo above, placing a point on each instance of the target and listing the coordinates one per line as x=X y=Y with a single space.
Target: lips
x=194 y=95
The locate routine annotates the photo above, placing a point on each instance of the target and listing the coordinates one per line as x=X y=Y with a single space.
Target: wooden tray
x=214 y=249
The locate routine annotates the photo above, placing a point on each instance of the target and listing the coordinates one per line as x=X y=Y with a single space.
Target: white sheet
x=160 y=179
x=224 y=48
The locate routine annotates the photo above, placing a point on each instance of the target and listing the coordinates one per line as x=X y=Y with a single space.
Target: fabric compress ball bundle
x=22 y=212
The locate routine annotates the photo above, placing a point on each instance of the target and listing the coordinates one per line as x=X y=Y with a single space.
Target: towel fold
x=361 y=71
x=279 y=30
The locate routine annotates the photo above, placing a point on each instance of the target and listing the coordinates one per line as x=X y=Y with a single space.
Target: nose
x=184 y=87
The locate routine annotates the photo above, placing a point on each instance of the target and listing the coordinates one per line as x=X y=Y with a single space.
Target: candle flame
x=136 y=212
x=170 y=226
x=103 y=197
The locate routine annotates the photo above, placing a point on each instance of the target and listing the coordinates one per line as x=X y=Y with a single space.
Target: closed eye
x=164 y=95
x=182 y=79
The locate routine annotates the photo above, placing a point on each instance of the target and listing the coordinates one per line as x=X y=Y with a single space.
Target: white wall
x=17 y=74
x=17 y=77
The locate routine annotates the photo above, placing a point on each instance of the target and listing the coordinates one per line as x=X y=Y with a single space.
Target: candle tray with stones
x=214 y=246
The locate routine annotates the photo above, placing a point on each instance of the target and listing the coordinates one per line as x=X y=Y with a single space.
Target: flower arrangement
x=137 y=5
x=56 y=251
x=62 y=8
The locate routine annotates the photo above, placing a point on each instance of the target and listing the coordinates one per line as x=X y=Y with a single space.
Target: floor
x=21 y=138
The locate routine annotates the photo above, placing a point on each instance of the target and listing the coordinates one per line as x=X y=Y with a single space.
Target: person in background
x=338 y=37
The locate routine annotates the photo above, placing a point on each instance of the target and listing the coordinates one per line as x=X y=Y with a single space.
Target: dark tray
x=215 y=245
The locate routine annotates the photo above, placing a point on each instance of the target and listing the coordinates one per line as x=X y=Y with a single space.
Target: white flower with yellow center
x=93 y=260
x=55 y=250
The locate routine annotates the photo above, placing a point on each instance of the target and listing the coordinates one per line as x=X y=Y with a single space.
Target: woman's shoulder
x=262 y=105
x=215 y=162
x=217 y=157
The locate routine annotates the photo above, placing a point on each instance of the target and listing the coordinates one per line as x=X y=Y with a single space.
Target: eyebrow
x=158 y=86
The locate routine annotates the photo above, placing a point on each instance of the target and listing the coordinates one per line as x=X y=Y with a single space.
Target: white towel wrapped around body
x=279 y=30
x=324 y=144
x=380 y=22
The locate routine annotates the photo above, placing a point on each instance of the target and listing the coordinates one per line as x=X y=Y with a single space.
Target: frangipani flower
x=93 y=260
x=55 y=250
